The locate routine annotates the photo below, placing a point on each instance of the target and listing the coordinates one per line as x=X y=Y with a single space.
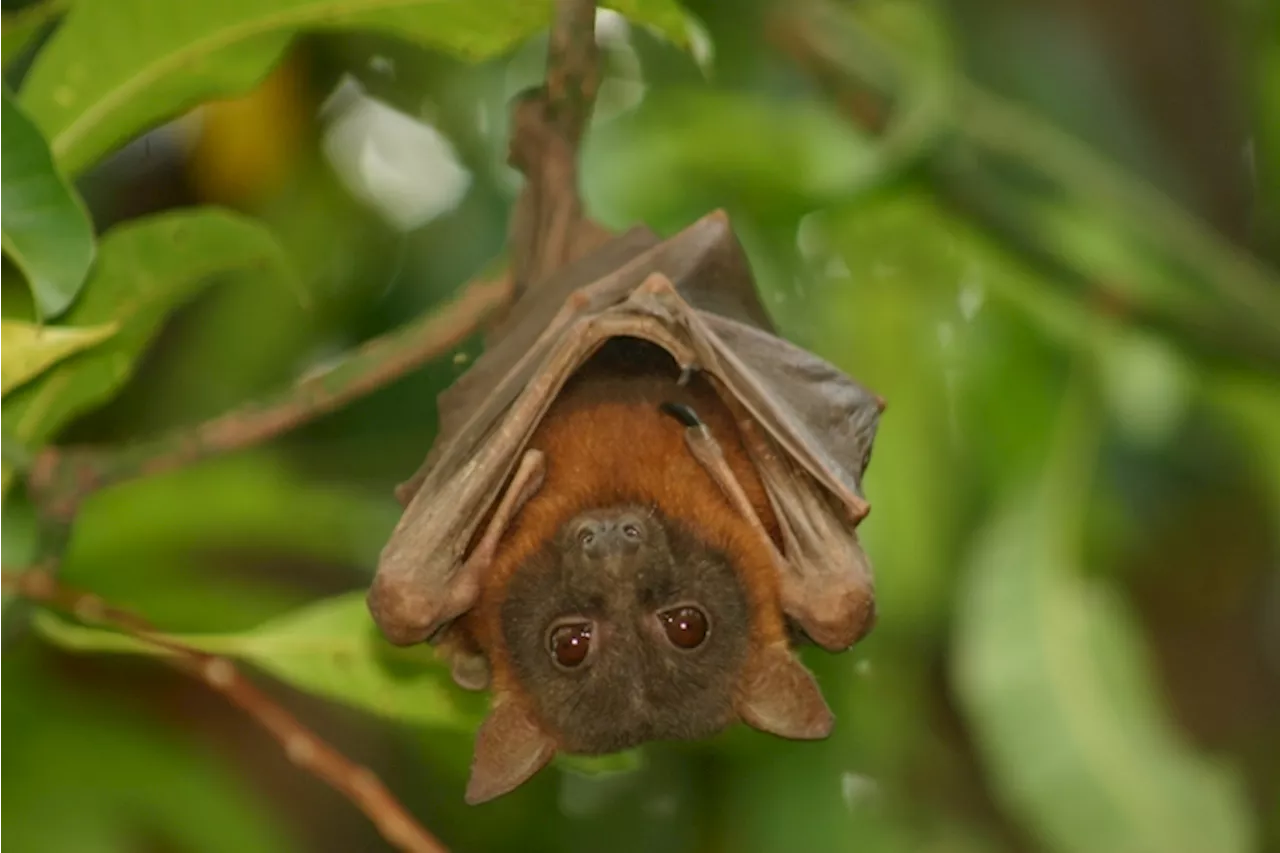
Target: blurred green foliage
x=1045 y=233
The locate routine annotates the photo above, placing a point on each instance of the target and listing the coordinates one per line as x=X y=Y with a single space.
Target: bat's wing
x=809 y=429
x=716 y=286
x=692 y=295
x=512 y=339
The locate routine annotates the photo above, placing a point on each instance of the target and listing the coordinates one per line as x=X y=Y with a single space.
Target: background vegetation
x=1045 y=232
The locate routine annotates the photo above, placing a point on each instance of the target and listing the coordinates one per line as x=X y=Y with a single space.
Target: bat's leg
x=710 y=455
x=525 y=483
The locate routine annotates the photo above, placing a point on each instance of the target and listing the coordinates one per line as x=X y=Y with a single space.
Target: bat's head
x=625 y=631
x=627 y=628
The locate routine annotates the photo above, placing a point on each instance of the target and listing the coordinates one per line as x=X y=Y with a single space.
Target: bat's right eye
x=569 y=643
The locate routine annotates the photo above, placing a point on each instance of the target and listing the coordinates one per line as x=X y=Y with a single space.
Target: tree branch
x=573 y=67
x=62 y=477
x=302 y=746
x=548 y=227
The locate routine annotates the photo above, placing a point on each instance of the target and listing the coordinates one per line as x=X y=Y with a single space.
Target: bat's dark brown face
x=627 y=629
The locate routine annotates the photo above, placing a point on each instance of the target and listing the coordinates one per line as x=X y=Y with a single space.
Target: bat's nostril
x=608 y=539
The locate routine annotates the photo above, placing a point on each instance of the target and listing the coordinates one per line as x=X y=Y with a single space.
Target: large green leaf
x=117 y=67
x=1050 y=669
x=46 y=229
x=23 y=26
x=30 y=349
x=330 y=648
x=145 y=269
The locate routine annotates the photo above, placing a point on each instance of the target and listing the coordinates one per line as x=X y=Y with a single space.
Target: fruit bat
x=639 y=500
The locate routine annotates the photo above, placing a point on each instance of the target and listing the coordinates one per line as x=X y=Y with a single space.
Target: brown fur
x=606 y=443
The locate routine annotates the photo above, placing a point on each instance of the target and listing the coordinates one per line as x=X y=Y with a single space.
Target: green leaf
x=46 y=229
x=31 y=349
x=117 y=67
x=130 y=777
x=1053 y=679
x=145 y=269
x=21 y=27
x=330 y=648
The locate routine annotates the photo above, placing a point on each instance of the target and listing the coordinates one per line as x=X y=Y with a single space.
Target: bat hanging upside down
x=639 y=502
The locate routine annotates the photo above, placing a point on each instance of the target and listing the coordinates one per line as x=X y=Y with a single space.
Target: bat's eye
x=631 y=531
x=686 y=626
x=569 y=643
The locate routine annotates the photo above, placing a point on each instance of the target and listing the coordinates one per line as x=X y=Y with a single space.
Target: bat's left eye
x=686 y=626
x=569 y=643
x=631 y=531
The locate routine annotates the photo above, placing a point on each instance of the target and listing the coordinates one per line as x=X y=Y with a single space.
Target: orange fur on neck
x=607 y=443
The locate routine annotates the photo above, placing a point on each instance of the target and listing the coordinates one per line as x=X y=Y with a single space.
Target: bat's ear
x=510 y=748
x=778 y=695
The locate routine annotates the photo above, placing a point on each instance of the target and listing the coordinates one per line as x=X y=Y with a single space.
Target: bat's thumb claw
x=402 y=615
x=833 y=618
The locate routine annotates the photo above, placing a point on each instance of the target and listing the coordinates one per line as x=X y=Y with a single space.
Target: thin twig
x=302 y=746
x=573 y=67
x=62 y=477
